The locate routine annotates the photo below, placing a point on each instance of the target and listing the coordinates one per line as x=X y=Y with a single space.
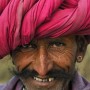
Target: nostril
x=43 y=69
x=42 y=72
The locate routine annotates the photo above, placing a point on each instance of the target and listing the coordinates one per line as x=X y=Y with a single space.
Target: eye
x=56 y=44
x=25 y=46
x=29 y=46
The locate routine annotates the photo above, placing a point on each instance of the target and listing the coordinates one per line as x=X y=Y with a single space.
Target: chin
x=37 y=84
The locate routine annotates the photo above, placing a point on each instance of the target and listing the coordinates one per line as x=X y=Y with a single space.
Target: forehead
x=63 y=38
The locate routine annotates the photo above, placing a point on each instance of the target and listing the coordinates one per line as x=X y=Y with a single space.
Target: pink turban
x=23 y=20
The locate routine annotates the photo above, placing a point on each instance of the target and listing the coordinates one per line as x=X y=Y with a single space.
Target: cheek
x=65 y=59
x=22 y=59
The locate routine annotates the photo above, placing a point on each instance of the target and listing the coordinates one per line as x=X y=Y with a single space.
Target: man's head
x=49 y=64
x=44 y=64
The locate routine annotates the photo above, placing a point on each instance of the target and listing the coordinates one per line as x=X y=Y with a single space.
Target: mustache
x=58 y=74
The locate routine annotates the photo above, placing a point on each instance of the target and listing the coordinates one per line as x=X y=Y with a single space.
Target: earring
x=79 y=58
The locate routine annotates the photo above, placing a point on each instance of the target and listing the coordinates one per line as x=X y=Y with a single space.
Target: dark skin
x=48 y=64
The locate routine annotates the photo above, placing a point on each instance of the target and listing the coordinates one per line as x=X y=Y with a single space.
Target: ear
x=81 y=47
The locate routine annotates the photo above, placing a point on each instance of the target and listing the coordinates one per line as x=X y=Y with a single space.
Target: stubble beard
x=61 y=85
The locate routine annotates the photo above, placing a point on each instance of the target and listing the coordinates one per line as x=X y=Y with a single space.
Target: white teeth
x=51 y=79
x=43 y=80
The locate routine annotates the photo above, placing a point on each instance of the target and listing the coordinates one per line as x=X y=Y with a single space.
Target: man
x=45 y=39
x=49 y=64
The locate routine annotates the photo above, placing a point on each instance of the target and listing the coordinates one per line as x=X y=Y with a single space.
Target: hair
x=81 y=42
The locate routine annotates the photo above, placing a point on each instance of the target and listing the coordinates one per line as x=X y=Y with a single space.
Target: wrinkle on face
x=43 y=56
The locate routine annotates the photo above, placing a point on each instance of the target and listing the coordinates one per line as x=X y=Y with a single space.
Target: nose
x=42 y=64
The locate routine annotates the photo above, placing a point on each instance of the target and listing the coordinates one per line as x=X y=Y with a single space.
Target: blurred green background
x=6 y=65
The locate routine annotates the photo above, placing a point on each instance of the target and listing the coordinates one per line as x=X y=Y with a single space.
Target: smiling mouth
x=44 y=79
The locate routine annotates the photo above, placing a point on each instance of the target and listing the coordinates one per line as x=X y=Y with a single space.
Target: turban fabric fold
x=23 y=20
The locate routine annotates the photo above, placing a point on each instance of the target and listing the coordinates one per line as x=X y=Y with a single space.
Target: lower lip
x=43 y=84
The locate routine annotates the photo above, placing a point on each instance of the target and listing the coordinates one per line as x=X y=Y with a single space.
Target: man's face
x=47 y=64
